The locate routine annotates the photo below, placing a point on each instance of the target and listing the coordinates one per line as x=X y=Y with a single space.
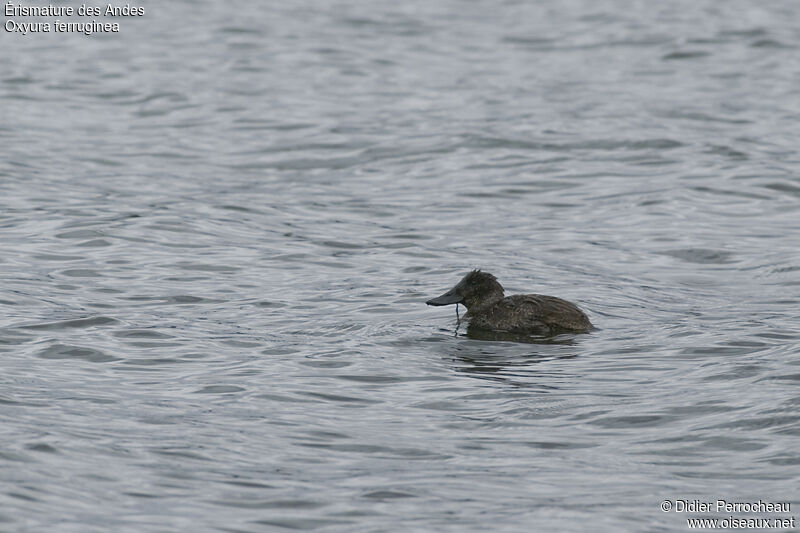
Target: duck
x=489 y=309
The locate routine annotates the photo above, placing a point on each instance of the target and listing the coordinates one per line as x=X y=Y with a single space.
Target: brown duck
x=489 y=309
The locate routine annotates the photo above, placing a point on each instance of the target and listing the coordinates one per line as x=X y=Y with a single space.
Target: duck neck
x=483 y=301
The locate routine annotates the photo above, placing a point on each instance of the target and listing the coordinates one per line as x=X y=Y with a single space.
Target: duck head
x=474 y=290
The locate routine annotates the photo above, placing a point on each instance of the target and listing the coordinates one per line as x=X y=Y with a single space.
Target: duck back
x=531 y=313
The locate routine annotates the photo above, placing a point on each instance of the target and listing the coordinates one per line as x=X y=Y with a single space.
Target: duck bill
x=450 y=297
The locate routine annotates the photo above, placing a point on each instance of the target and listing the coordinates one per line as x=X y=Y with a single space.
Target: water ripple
x=219 y=235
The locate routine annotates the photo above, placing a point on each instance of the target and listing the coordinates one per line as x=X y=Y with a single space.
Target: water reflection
x=506 y=336
x=510 y=359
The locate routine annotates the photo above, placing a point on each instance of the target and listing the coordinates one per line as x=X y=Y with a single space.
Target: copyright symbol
x=666 y=506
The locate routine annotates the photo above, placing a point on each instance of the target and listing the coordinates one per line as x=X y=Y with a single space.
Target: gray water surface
x=218 y=229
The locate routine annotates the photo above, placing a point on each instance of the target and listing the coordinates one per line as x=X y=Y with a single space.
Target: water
x=219 y=227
